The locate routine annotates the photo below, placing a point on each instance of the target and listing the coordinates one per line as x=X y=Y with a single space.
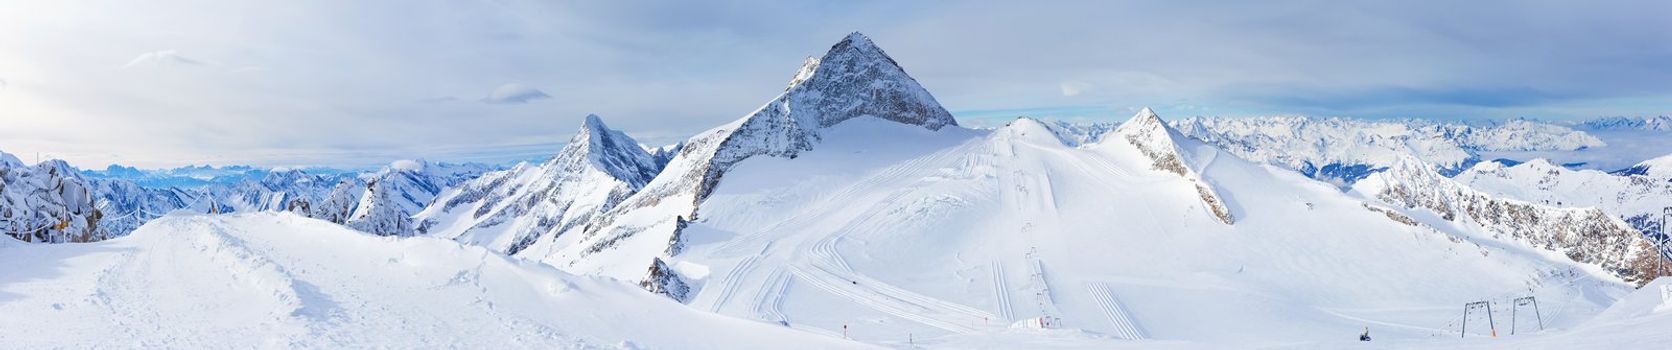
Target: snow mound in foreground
x=281 y=280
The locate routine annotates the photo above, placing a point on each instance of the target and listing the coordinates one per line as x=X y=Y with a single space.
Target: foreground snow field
x=276 y=280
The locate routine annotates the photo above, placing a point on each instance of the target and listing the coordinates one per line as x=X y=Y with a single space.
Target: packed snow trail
x=1125 y=327
x=1001 y=292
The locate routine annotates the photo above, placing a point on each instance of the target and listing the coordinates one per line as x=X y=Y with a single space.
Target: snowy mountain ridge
x=511 y=210
x=54 y=194
x=1344 y=150
x=1586 y=235
x=1638 y=199
x=1652 y=123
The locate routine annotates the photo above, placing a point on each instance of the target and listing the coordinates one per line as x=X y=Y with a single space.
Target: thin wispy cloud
x=162 y=57
x=514 y=94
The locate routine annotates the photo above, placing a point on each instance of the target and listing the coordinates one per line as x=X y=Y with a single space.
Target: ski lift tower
x=1479 y=305
x=1516 y=305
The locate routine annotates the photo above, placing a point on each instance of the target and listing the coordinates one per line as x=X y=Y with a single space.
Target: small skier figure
x=1366 y=335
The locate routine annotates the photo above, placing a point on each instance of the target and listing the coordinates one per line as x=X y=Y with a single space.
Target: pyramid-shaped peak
x=594 y=133
x=855 y=78
x=1145 y=116
x=857 y=40
x=593 y=124
x=607 y=150
x=1148 y=124
x=857 y=47
x=1147 y=113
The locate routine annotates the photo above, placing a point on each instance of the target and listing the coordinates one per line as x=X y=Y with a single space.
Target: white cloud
x=514 y=94
x=1073 y=88
x=162 y=57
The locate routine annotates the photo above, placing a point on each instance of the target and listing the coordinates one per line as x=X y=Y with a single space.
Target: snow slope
x=278 y=280
x=953 y=236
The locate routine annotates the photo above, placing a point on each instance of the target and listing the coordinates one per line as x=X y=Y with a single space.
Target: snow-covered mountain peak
x=856 y=78
x=1162 y=145
x=1147 y=127
x=1155 y=139
x=607 y=150
x=531 y=206
x=1147 y=113
x=1030 y=129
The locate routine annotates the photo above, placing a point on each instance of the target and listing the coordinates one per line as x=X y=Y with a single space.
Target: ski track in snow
x=769 y=301
x=826 y=250
x=1125 y=327
x=729 y=285
x=1002 y=292
x=846 y=194
x=908 y=306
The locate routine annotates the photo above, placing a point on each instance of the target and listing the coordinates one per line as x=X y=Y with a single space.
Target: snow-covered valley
x=852 y=210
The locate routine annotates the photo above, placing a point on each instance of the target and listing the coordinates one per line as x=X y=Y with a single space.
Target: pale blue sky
x=339 y=83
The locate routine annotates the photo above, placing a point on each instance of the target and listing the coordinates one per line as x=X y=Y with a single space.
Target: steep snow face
x=1345 y=150
x=1162 y=145
x=1657 y=168
x=951 y=236
x=853 y=80
x=534 y=206
x=385 y=202
x=278 y=280
x=48 y=202
x=1582 y=234
x=1640 y=200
